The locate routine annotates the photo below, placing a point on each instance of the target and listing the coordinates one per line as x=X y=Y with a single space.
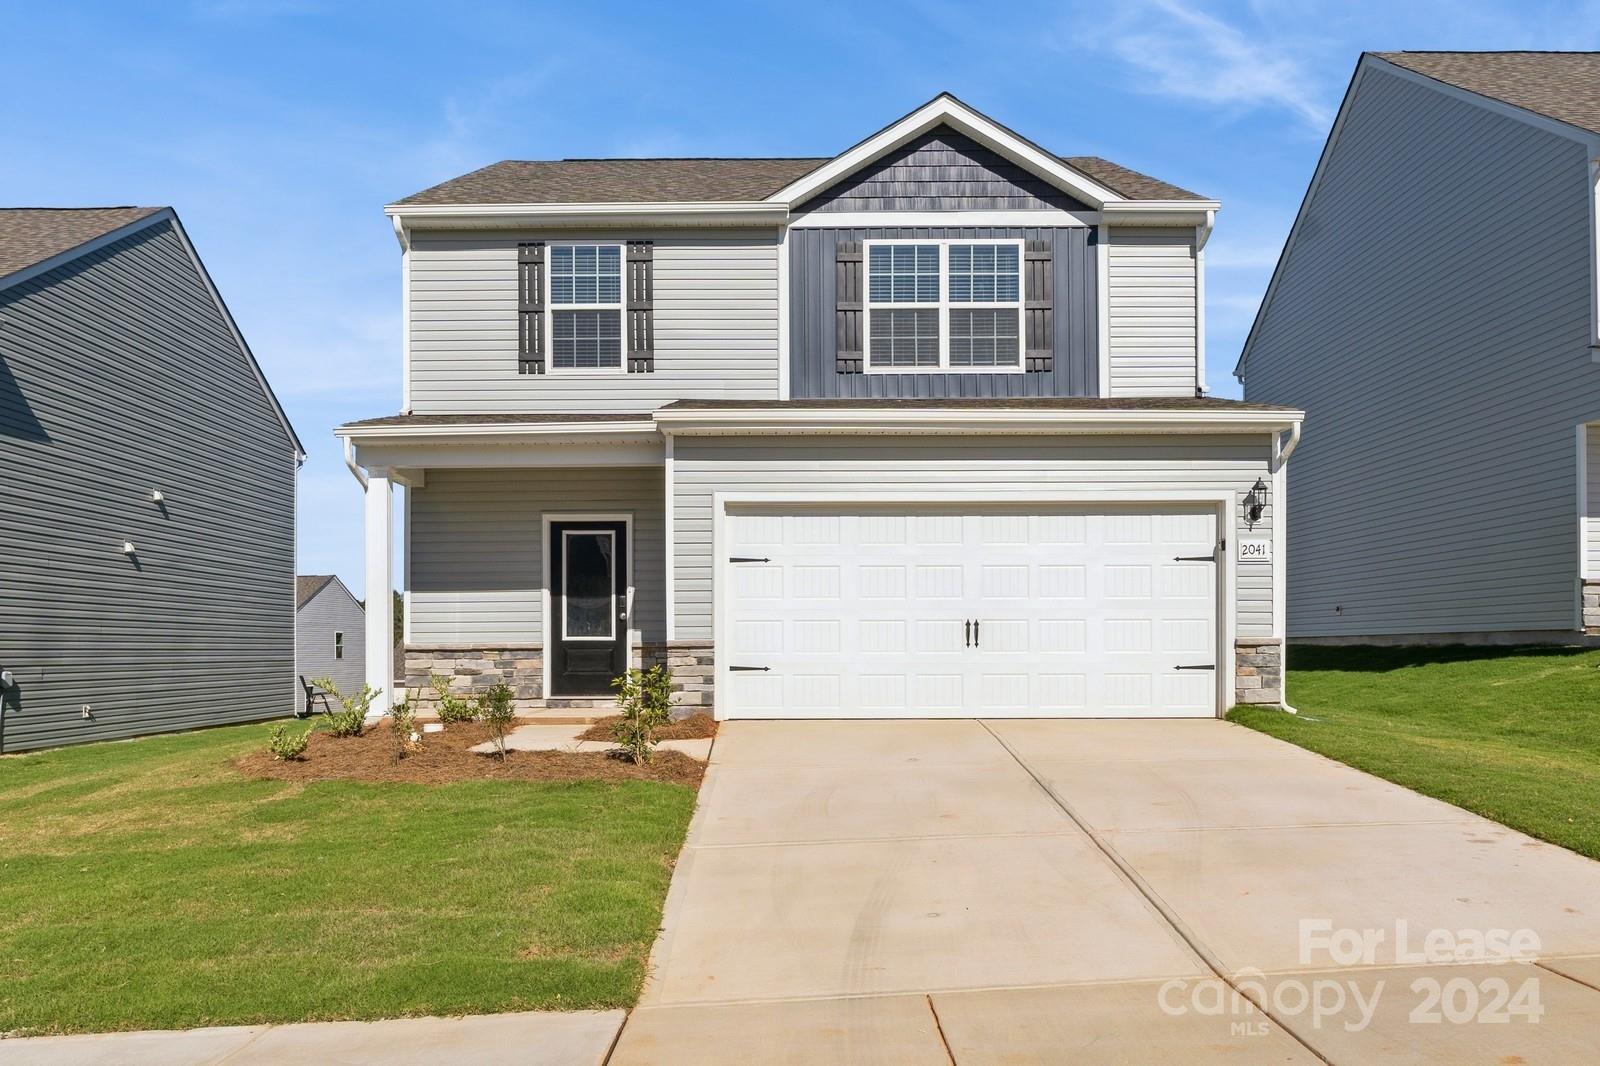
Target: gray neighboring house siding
x=120 y=374
x=332 y=610
x=813 y=338
x=1431 y=316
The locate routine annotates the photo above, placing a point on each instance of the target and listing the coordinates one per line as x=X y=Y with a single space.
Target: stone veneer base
x=472 y=670
x=1258 y=670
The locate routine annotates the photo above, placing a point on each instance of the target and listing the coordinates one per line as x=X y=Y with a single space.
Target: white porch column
x=380 y=598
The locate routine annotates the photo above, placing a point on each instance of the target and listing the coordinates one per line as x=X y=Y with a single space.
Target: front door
x=588 y=606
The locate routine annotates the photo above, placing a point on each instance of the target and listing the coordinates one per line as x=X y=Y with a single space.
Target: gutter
x=957 y=420
x=350 y=462
x=1281 y=451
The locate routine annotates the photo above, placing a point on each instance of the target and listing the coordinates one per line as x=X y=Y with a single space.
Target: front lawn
x=1510 y=733
x=149 y=884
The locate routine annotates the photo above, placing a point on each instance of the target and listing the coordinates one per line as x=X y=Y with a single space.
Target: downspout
x=350 y=462
x=1280 y=461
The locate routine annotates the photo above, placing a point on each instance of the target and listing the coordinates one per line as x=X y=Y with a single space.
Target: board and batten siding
x=796 y=465
x=332 y=610
x=1431 y=317
x=119 y=377
x=716 y=326
x=477 y=549
x=813 y=337
x=1151 y=293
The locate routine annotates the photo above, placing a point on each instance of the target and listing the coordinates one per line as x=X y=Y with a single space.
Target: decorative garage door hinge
x=747 y=559
x=749 y=668
x=1208 y=666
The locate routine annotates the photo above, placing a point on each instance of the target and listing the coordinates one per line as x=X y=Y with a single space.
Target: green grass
x=146 y=884
x=1512 y=734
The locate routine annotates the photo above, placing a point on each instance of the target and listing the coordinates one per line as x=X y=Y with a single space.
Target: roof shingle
x=607 y=181
x=308 y=585
x=1564 y=86
x=30 y=235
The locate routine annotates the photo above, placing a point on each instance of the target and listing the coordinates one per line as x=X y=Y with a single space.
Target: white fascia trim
x=1162 y=212
x=944 y=110
x=967 y=420
x=621 y=431
x=711 y=213
x=874 y=219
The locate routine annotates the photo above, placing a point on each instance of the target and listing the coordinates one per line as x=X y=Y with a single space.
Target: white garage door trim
x=1223 y=502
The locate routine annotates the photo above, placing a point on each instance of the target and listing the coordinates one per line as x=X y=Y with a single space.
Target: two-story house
x=1436 y=313
x=916 y=430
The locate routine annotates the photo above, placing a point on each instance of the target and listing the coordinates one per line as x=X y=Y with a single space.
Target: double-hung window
x=585 y=306
x=943 y=305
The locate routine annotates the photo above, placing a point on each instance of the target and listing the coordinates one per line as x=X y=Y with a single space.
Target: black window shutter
x=1039 y=267
x=530 y=307
x=641 y=307
x=847 y=313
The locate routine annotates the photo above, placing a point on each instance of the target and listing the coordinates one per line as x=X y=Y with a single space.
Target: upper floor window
x=338 y=645
x=586 y=306
x=944 y=305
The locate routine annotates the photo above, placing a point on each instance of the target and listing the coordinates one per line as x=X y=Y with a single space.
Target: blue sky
x=279 y=128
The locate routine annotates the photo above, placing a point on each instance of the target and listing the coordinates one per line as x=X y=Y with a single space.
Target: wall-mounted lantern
x=1255 y=502
x=155 y=496
x=128 y=548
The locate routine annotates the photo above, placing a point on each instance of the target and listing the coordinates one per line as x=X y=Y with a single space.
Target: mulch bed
x=444 y=757
x=698 y=726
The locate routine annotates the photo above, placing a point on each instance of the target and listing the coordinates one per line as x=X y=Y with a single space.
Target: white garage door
x=969 y=613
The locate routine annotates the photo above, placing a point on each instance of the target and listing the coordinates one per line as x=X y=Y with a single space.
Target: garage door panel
x=1076 y=613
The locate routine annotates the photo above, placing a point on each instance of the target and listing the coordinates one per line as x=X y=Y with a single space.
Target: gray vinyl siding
x=119 y=375
x=813 y=341
x=1591 y=547
x=477 y=549
x=1431 y=317
x=1151 y=293
x=332 y=610
x=942 y=170
x=797 y=465
x=716 y=326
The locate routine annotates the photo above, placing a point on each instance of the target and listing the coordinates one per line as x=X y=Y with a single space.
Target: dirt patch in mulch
x=698 y=726
x=444 y=757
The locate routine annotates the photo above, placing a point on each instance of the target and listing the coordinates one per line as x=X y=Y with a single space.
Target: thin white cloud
x=1183 y=51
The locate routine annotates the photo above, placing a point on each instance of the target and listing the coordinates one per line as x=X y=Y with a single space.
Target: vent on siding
x=530 y=307
x=1039 y=265
x=641 y=307
x=847 y=312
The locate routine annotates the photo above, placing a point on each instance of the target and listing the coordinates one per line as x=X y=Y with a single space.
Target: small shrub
x=495 y=711
x=351 y=719
x=645 y=699
x=451 y=708
x=403 y=725
x=286 y=745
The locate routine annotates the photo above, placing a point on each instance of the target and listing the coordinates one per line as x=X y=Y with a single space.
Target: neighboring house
x=148 y=479
x=1434 y=312
x=330 y=632
x=910 y=431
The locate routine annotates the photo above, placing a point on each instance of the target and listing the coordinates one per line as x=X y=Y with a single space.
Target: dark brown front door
x=588 y=606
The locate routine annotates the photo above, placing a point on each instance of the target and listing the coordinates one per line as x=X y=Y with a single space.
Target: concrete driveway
x=1025 y=891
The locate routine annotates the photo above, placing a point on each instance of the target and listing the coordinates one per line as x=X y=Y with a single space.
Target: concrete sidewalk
x=1043 y=891
x=580 y=1038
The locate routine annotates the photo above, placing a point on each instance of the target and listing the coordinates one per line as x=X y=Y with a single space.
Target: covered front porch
x=535 y=554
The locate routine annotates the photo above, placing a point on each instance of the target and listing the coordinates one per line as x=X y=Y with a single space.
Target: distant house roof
x=30 y=235
x=603 y=181
x=1564 y=86
x=306 y=586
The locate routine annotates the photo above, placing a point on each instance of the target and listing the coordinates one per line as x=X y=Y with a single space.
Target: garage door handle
x=976 y=640
x=749 y=668
x=1208 y=666
x=967 y=640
